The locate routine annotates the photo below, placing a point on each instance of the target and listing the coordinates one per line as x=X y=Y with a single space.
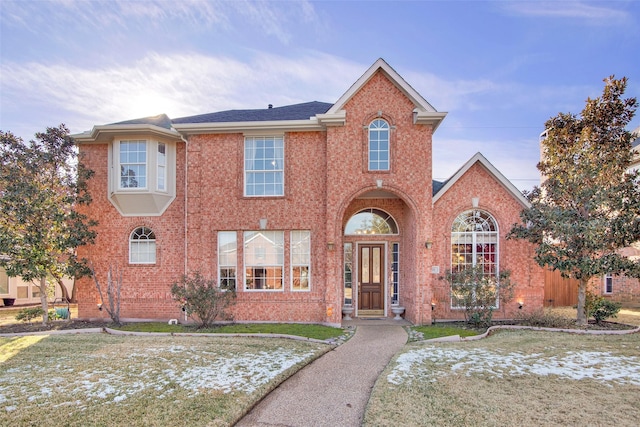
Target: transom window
x=133 y=164
x=474 y=244
x=264 y=260
x=371 y=221
x=264 y=166
x=379 y=145
x=142 y=246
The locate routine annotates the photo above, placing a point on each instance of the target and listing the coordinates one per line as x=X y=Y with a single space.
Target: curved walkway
x=334 y=389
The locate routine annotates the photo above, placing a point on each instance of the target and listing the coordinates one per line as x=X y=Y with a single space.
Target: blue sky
x=499 y=68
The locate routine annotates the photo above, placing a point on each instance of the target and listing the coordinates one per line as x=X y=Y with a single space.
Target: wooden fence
x=559 y=291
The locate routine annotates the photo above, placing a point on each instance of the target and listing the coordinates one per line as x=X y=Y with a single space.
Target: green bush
x=28 y=314
x=202 y=299
x=479 y=293
x=601 y=308
x=545 y=319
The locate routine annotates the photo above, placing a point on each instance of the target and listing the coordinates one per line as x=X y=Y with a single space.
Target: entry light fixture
x=520 y=304
x=99 y=306
x=330 y=245
x=428 y=244
x=433 y=305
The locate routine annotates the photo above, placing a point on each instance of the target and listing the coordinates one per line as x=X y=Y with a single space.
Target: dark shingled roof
x=161 y=120
x=437 y=186
x=290 y=112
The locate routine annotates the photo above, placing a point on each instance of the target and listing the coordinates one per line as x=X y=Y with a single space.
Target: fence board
x=559 y=291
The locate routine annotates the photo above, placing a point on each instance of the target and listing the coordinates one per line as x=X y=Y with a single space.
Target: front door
x=371 y=275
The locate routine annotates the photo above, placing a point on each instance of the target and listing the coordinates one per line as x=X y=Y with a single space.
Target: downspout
x=186 y=179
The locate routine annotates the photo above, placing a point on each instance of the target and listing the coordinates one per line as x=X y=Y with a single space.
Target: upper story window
x=379 y=145
x=161 y=180
x=142 y=246
x=264 y=166
x=608 y=284
x=133 y=164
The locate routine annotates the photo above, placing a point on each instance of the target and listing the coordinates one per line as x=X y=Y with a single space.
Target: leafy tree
x=202 y=298
x=588 y=207
x=41 y=184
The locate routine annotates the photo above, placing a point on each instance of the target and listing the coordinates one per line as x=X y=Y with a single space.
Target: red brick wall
x=515 y=255
x=145 y=289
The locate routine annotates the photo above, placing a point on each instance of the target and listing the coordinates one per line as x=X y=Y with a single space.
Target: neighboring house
x=15 y=291
x=622 y=288
x=304 y=209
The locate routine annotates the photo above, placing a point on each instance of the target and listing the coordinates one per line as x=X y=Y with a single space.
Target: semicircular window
x=371 y=221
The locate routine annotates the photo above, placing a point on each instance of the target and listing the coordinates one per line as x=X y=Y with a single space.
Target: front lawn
x=512 y=378
x=104 y=380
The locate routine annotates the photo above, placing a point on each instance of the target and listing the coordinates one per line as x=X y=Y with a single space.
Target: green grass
x=438 y=331
x=303 y=330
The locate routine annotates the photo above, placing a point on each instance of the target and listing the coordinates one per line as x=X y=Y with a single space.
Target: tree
x=202 y=298
x=41 y=184
x=588 y=207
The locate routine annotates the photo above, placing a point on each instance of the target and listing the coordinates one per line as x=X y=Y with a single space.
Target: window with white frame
x=133 y=164
x=142 y=246
x=227 y=259
x=395 y=273
x=161 y=179
x=264 y=260
x=348 y=274
x=379 y=145
x=474 y=244
x=608 y=284
x=264 y=166
x=300 y=260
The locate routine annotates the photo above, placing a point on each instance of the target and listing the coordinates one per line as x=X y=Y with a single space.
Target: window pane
x=348 y=276
x=264 y=259
x=133 y=164
x=4 y=282
x=227 y=259
x=263 y=164
x=379 y=145
x=162 y=163
x=300 y=260
x=142 y=246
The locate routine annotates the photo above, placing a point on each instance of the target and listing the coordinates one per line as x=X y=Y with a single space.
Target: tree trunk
x=63 y=289
x=582 y=299
x=43 y=300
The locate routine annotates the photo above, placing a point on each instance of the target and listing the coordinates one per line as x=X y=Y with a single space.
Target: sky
x=500 y=69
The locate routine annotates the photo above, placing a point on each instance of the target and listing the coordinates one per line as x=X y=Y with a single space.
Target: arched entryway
x=376 y=230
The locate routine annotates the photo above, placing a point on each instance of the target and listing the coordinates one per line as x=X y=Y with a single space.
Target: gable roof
x=424 y=112
x=479 y=158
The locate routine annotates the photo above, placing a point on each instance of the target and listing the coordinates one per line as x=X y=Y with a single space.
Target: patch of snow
x=431 y=362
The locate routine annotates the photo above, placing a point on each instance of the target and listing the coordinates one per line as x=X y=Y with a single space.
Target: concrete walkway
x=334 y=389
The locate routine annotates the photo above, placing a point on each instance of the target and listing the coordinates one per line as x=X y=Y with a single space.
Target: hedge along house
x=305 y=209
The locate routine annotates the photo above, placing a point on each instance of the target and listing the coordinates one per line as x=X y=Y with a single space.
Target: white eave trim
x=428 y=118
x=241 y=127
x=104 y=133
x=421 y=104
x=479 y=158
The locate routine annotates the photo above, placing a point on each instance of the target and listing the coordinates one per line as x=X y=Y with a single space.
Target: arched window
x=474 y=244
x=371 y=221
x=379 y=145
x=142 y=246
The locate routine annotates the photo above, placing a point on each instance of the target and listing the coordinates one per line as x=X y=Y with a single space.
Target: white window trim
x=148 y=242
x=388 y=168
x=604 y=283
x=161 y=170
x=474 y=244
x=119 y=164
x=245 y=172
x=246 y=266
x=292 y=265
x=221 y=266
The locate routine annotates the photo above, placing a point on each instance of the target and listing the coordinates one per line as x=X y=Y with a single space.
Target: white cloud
x=592 y=13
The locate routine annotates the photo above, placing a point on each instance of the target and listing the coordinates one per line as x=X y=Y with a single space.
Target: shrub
x=28 y=314
x=601 y=308
x=544 y=319
x=202 y=299
x=478 y=293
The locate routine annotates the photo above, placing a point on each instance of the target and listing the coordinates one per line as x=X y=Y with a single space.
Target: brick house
x=304 y=209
